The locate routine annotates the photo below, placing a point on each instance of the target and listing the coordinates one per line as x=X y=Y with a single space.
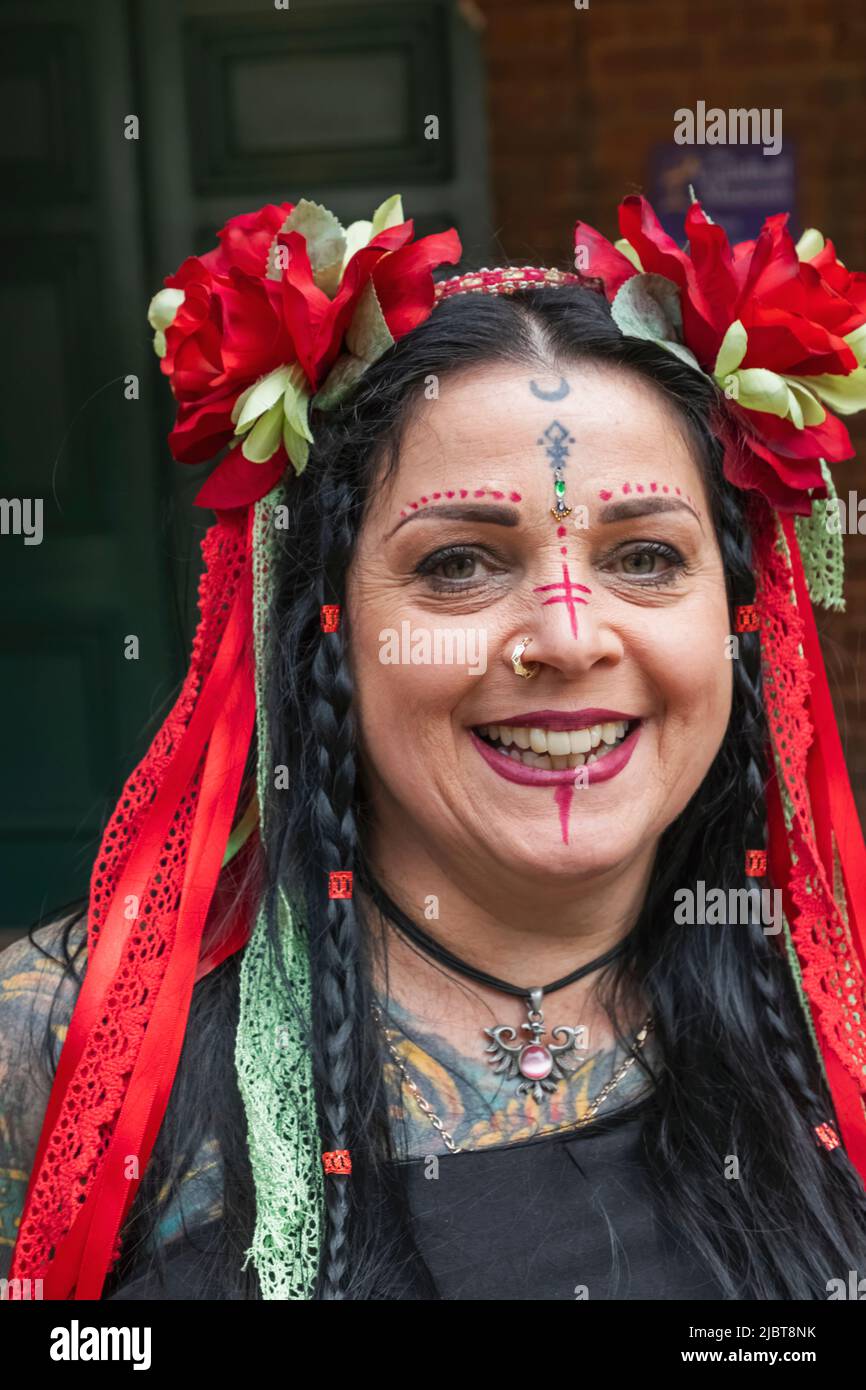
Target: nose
x=571 y=632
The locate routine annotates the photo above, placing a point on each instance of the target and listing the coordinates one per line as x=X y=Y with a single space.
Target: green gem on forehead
x=559 y=487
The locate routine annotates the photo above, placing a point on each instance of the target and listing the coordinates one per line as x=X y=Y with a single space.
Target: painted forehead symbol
x=557 y=394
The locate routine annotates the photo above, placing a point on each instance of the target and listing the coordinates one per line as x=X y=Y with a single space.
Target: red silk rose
x=288 y=308
x=778 y=326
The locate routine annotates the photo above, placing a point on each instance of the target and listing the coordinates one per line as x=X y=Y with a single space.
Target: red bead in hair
x=337 y=1161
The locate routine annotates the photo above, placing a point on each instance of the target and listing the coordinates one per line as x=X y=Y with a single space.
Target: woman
x=503 y=717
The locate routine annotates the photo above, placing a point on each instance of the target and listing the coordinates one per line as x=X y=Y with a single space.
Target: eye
x=649 y=562
x=456 y=567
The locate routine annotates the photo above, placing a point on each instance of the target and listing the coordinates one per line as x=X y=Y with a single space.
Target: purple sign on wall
x=737 y=186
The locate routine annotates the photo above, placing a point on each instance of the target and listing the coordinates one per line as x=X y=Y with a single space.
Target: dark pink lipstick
x=601 y=771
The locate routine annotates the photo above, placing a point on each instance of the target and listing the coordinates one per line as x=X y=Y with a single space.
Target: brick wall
x=576 y=99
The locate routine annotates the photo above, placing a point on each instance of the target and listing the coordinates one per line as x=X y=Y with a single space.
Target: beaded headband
x=285 y=316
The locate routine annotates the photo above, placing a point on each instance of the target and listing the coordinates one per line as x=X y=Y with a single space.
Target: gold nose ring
x=527 y=672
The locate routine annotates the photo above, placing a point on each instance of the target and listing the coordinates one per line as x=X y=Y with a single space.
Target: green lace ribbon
x=819 y=536
x=272 y=1059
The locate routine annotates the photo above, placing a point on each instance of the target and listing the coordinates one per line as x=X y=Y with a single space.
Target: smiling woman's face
x=624 y=602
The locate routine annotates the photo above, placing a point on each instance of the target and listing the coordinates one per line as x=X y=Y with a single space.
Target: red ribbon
x=221 y=723
x=835 y=817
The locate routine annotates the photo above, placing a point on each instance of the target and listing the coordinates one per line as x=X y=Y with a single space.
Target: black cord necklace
x=537 y=1064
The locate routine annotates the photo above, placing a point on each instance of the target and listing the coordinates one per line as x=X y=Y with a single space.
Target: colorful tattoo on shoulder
x=477 y=1107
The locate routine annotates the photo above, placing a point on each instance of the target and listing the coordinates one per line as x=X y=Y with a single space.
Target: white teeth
x=559 y=744
x=556 y=748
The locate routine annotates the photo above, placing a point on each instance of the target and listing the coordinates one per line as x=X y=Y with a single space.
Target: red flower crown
x=288 y=312
x=780 y=327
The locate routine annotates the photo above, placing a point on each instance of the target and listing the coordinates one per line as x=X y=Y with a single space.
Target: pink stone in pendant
x=535 y=1062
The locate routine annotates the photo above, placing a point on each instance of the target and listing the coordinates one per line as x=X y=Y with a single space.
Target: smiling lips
x=545 y=747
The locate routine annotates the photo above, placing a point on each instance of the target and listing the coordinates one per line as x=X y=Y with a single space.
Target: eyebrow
x=498 y=515
x=643 y=506
x=489 y=512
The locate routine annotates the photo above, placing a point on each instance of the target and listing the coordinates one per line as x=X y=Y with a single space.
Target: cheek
x=404 y=706
x=692 y=663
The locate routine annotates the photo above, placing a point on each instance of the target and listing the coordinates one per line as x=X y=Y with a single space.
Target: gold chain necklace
x=427 y=1109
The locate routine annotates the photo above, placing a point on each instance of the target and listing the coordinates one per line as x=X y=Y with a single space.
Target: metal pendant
x=537 y=1064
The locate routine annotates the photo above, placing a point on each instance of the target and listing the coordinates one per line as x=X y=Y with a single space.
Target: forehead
x=520 y=422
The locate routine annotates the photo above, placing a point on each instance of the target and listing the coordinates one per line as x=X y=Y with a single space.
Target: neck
x=521 y=930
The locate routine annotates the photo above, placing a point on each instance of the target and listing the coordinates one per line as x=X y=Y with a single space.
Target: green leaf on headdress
x=625 y=248
x=811 y=244
x=325 y=239
x=856 y=341
x=844 y=394
x=388 y=214
x=340 y=381
x=681 y=351
x=820 y=539
x=732 y=350
x=367 y=337
x=359 y=234
x=297 y=446
x=811 y=409
x=258 y=398
x=163 y=307
x=296 y=403
x=648 y=306
x=161 y=314
x=760 y=389
x=264 y=438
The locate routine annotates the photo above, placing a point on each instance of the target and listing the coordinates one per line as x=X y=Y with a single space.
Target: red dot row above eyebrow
x=461 y=493
x=605 y=494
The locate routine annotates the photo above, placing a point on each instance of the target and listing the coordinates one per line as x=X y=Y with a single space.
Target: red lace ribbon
x=825 y=836
x=151 y=891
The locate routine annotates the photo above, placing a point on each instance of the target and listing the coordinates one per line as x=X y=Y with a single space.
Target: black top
x=566 y=1215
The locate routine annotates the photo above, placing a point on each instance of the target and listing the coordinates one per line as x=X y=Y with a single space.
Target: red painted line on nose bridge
x=568 y=596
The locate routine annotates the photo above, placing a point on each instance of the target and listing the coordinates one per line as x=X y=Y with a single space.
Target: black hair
x=739 y=1076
